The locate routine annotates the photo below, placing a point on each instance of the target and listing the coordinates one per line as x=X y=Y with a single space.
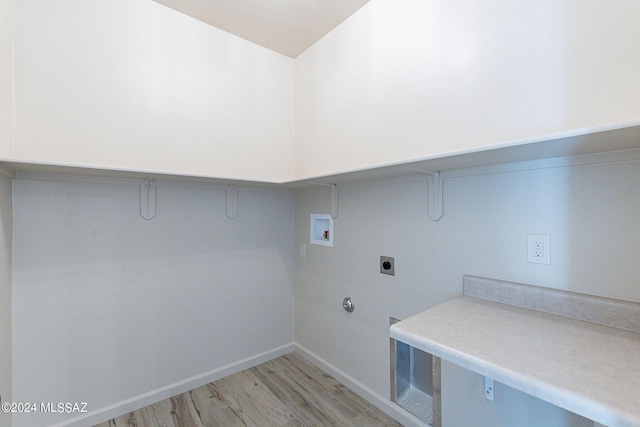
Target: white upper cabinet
x=131 y=84
x=6 y=79
x=406 y=80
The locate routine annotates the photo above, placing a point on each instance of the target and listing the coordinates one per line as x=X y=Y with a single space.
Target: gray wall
x=108 y=306
x=6 y=232
x=463 y=405
x=589 y=206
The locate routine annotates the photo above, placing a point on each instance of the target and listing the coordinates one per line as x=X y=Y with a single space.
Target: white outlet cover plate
x=532 y=241
x=488 y=388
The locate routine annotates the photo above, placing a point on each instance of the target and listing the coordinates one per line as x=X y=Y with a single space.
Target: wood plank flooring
x=287 y=391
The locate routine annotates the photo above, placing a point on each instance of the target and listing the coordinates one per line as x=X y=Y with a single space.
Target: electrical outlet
x=538 y=249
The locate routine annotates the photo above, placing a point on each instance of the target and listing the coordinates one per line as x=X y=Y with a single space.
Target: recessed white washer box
x=321 y=230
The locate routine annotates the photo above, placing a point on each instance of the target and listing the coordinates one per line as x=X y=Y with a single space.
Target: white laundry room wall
x=6 y=233
x=588 y=205
x=118 y=311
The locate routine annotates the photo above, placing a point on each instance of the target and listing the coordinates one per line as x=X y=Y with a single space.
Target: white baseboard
x=374 y=398
x=120 y=408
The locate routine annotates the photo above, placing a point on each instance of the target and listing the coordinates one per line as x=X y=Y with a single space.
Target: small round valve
x=348 y=304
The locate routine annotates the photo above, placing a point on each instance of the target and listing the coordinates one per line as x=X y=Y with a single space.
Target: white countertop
x=586 y=368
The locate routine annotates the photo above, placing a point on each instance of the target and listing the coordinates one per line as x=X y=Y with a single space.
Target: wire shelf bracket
x=148 y=199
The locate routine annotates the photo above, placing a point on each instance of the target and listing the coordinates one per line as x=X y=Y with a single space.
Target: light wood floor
x=287 y=391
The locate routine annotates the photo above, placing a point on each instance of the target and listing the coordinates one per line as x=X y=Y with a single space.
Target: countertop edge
x=564 y=398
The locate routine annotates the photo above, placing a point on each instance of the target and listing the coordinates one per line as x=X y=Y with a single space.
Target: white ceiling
x=285 y=26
